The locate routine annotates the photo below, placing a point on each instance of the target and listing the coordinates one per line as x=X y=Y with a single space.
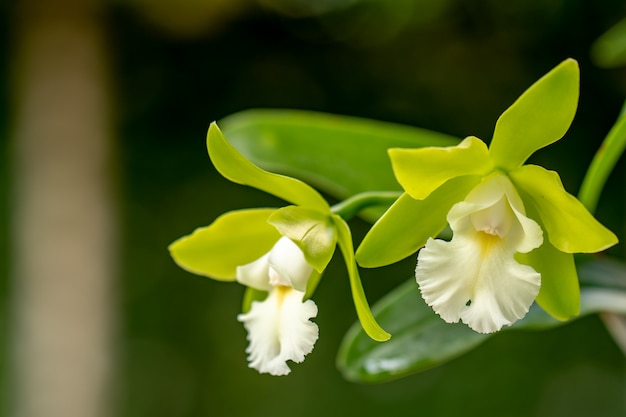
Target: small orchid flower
x=514 y=226
x=278 y=254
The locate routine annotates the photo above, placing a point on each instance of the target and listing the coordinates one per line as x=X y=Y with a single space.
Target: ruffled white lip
x=475 y=277
x=279 y=327
x=279 y=330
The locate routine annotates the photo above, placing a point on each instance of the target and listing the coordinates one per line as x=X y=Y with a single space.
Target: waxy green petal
x=234 y=167
x=539 y=117
x=571 y=228
x=559 y=294
x=408 y=224
x=313 y=231
x=233 y=239
x=369 y=324
x=421 y=171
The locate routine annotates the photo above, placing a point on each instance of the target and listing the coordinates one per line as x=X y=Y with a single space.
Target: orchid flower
x=514 y=226
x=278 y=254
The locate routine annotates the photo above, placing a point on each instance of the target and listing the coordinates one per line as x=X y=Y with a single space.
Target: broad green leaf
x=313 y=231
x=539 y=117
x=571 y=228
x=559 y=294
x=341 y=155
x=236 y=168
x=233 y=239
x=369 y=324
x=422 y=340
x=408 y=224
x=421 y=171
x=609 y=50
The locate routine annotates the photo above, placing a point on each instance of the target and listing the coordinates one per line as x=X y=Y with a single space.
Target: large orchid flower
x=514 y=226
x=279 y=254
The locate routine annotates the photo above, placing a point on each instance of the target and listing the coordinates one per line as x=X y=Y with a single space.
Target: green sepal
x=233 y=239
x=559 y=294
x=421 y=171
x=408 y=224
x=369 y=324
x=251 y=295
x=539 y=117
x=313 y=232
x=236 y=168
x=570 y=227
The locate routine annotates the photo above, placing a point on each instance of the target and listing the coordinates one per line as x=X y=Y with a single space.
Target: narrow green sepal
x=233 y=239
x=369 y=324
x=421 y=171
x=539 y=117
x=570 y=227
x=313 y=232
x=408 y=224
x=236 y=168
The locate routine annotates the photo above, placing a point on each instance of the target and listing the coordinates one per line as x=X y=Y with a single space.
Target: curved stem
x=603 y=163
x=351 y=206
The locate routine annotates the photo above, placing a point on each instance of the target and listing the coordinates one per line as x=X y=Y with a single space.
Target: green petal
x=571 y=228
x=539 y=117
x=312 y=231
x=233 y=166
x=408 y=223
x=421 y=171
x=559 y=294
x=233 y=239
x=369 y=324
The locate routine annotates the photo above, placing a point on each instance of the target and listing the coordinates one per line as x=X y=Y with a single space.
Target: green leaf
x=408 y=224
x=338 y=154
x=313 y=232
x=571 y=228
x=559 y=294
x=233 y=239
x=422 y=340
x=609 y=50
x=539 y=117
x=236 y=168
x=422 y=171
x=368 y=323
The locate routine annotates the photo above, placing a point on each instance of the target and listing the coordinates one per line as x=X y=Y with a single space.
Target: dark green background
x=181 y=350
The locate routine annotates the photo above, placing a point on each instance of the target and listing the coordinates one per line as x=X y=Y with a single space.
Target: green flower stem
x=351 y=206
x=603 y=163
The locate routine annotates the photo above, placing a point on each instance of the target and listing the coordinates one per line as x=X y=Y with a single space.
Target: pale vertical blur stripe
x=63 y=222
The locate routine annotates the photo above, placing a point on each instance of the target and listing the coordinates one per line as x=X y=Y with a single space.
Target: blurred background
x=103 y=118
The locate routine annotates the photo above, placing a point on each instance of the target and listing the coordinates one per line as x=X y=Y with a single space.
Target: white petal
x=255 y=274
x=279 y=330
x=289 y=265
